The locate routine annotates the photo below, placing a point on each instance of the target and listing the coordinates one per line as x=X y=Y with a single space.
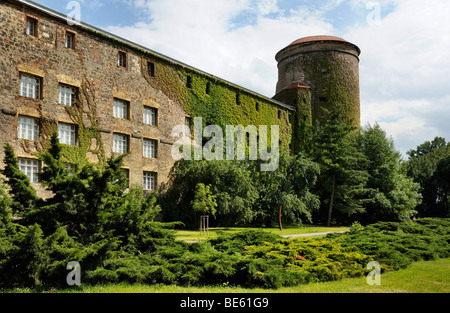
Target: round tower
x=330 y=67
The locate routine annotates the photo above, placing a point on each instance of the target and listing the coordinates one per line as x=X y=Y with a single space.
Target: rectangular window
x=120 y=144
x=151 y=68
x=69 y=41
x=150 y=148
x=70 y=167
x=150 y=115
x=28 y=128
x=121 y=109
x=30 y=168
x=31 y=27
x=189 y=82
x=67 y=134
x=122 y=59
x=187 y=123
x=67 y=95
x=149 y=182
x=29 y=86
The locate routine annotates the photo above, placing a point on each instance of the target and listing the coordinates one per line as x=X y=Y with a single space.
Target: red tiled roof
x=296 y=85
x=317 y=38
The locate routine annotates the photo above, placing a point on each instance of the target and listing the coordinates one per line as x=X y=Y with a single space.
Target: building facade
x=104 y=95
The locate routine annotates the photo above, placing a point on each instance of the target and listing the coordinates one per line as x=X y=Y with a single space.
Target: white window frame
x=31 y=168
x=67 y=134
x=121 y=109
x=67 y=95
x=122 y=59
x=150 y=116
x=31 y=27
x=120 y=143
x=150 y=148
x=69 y=40
x=28 y=128
x=149 y=181
x=29 y=86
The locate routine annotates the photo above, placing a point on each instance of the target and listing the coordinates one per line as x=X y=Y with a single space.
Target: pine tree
x=23 y=194
x=342 y=180
x=392 y=195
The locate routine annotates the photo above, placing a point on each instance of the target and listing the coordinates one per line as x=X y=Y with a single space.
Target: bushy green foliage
x=91 y=219
x=243 y=194
x=391 y=196
x=342 y=181
x=396 y=244
x=309 y=260
x=424 y=167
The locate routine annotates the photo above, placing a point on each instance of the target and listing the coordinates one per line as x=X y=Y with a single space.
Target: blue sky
x=404 y=65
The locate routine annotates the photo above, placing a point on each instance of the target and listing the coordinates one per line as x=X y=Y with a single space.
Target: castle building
x=104 y=95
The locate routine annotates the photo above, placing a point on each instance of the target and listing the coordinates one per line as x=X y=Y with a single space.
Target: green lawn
x=194 y=235
x=419 y=277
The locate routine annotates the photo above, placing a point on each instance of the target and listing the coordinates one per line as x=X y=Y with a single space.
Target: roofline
x=134 y=45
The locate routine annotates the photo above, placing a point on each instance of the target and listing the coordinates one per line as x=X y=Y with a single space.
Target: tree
x=391 y=194
x=204 y=201
x=341 y=184
x=421 y=166
x=441 y=178
x=289 y=188
x=23 y=194
x=230 y=182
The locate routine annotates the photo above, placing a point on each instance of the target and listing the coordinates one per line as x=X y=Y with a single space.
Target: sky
x=404 y=64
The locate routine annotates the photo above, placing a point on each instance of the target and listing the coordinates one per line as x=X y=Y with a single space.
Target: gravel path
x=311 y=234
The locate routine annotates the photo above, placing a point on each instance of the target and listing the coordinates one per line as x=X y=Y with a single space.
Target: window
x=29 y=86
x=150 y=148
x=120 y=143
x=187 y=123
x=121 y=109
x=189 y=82
x=149 y=182
x=208 y=88
x=122 y=59
x=151 y=68
x=257 y=106
x=150 y=115
x=279 y=114
x=28 y=128
x=69 y=41
x=30 y=168
x=238 y=99
x=31 y=28
x=67 y=95
x=71 y=168
x=67 y=134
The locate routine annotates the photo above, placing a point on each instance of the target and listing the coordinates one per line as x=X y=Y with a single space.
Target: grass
x=194 y=235
x=419 y=277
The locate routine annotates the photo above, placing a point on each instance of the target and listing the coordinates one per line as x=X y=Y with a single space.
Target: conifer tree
x=392 y=196
x=342 y=180
x=23 y=194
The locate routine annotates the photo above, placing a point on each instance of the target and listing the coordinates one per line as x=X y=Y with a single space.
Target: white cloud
x=198 y=33
x=404 y=71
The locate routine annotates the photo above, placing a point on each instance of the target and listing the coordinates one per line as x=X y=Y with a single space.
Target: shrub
x=396 y=244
